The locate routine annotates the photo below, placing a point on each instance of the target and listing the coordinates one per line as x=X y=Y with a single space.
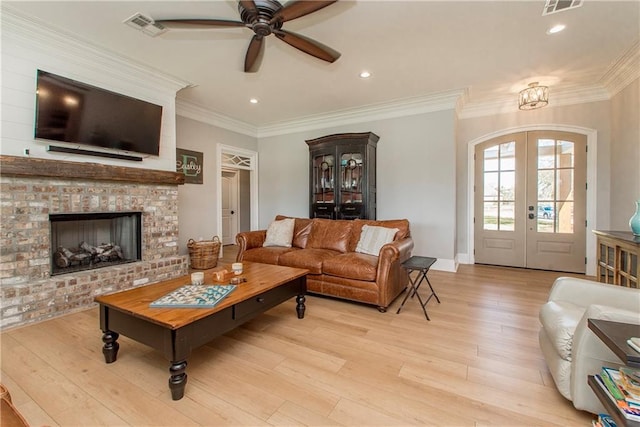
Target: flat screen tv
x=75 y=112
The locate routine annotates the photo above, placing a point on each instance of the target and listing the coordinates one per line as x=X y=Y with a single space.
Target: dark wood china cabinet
x=342 y=176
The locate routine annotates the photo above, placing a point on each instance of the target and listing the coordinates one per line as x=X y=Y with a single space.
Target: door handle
x=531 y=216
x=232 y=212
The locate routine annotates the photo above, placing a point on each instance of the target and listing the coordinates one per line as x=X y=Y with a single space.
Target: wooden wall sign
x=190 y=164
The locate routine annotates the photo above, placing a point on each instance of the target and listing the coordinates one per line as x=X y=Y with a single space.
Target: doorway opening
x=237 y=192
x=529 y=206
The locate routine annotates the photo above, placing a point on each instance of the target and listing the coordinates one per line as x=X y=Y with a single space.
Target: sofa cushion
x=401 y=224
x=269 y=255
x=559 y=320
x=352 y=266
x=301 y=230
x=309 y=258
x=373 y=238
x=330 y=234
x=280 y=233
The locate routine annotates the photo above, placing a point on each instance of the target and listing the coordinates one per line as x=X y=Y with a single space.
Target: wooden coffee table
x=176 y=331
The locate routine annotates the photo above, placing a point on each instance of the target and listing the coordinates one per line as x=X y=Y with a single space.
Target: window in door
x=556 y=193
x=499 y=187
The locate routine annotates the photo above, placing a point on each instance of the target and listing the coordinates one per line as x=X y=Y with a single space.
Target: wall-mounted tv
x=71 y=111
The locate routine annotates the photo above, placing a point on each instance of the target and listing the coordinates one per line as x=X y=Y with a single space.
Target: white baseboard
x=450 y=265
x=464 y=259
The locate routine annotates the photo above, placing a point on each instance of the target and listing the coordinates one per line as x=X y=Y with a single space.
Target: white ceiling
x=487 y=49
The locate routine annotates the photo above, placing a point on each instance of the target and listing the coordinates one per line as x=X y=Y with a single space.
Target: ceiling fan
x=265 y=17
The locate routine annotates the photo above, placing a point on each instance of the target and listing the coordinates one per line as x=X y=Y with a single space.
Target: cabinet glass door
x=324 y=185
x=351 y=185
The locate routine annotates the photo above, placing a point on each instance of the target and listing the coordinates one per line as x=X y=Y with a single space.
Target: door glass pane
x=491 y=186
x=565 y=154
x=565 y=184
x=508 y=156
x=507 y=186
x=491 y=158
x=555 y=186
x=507 y=216
x=546 y=185
x=490 y=215
x=546 y=153
x=546 y=215
x=499 y=187
x=564 y=218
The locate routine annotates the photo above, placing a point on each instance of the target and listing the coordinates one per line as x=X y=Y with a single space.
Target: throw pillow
x=373 y=238
x=280 y=233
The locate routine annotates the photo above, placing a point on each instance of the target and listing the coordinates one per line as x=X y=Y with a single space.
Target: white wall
x=198 y=203
x=27 y=48
x=416 y=177
x=625 y=155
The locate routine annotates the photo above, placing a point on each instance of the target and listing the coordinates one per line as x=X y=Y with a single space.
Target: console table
x=618 y=258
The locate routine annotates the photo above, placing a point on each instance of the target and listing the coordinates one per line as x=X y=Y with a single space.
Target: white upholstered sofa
x=571 y=350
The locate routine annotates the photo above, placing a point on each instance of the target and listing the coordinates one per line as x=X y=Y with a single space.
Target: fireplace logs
x=87 y=254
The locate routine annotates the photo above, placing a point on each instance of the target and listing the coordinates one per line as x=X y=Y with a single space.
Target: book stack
x=622 y=386
x=604 y=420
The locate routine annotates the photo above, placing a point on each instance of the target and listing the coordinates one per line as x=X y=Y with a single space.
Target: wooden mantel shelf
x=34 y=167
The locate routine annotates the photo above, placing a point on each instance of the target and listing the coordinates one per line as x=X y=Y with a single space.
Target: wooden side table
x=422 y=265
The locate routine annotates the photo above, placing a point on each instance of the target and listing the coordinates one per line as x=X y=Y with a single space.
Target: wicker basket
x=204 y=254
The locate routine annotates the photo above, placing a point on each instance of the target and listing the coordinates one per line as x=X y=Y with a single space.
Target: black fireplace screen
x=94 y=240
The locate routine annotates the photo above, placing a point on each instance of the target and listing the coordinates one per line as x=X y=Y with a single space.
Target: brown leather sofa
x=327 y=249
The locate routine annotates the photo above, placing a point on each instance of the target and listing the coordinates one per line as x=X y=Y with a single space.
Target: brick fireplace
x=32 y=190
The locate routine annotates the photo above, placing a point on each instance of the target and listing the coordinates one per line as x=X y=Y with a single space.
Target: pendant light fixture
x=533 y=97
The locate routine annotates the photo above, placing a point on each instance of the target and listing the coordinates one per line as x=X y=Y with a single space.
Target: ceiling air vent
x=145 y=24
x=553 y=6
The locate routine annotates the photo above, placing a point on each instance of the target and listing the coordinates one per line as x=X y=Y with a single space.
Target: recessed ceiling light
x=253 y=100
x=365 y=74
x=556 y=29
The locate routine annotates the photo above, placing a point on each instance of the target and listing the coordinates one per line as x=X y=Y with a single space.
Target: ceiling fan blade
x=308 y=45
x=195 y=24
x=249 y=6
x=253 y=59
x=297 y=8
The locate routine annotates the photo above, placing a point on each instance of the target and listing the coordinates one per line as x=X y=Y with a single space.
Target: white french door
x=530 y=201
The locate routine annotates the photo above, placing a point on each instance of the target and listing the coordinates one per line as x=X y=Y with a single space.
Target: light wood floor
x=476 y=363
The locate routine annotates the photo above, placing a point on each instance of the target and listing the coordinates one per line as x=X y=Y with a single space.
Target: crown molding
x=202 y=114
x=624 y=71
x=397 y=108
x=387 y=110
x=42 y=37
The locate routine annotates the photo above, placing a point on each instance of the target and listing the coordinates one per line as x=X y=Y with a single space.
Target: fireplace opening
x=94 y=240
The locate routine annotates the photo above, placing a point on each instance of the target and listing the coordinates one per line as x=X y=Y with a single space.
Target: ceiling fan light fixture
x=533 y=97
